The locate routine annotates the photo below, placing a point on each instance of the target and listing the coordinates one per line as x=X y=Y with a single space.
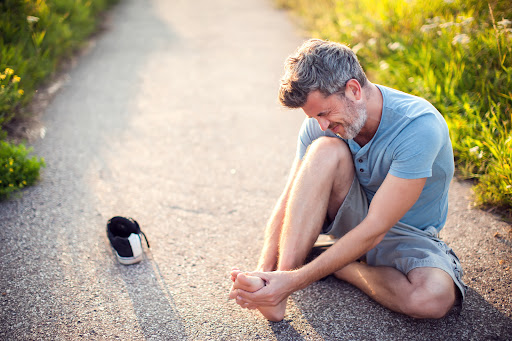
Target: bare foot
x=254 y=283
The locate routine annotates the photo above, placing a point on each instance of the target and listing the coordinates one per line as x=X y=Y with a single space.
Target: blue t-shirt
x=412 y=142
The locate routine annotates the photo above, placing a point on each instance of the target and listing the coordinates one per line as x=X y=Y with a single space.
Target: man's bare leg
x=322 y=183
x=423 y=293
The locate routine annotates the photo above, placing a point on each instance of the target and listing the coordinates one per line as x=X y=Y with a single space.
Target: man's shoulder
x=406 y=105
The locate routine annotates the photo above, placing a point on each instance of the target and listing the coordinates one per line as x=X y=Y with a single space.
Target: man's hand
x=278 y=285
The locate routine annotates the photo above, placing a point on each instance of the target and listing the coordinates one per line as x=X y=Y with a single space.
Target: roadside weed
x=35 y=36
x=17 y=168
x=10 y=92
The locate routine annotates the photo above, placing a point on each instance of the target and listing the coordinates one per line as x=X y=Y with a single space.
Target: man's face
x=341 y=115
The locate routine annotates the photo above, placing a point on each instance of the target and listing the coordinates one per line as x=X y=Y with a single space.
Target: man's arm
x=393 y=199
x=269 y=252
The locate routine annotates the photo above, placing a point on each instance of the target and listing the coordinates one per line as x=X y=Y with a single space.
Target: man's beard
x=352 y=130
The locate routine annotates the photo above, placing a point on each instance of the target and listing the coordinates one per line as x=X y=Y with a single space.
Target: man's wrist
x=302 y=278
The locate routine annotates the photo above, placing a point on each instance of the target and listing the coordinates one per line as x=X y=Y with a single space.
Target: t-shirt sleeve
x=419 y=144
x=309 y=131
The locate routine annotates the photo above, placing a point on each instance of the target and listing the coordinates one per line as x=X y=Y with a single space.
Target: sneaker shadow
x=152 y=302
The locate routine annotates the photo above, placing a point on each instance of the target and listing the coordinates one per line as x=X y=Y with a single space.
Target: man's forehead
x=315 y=103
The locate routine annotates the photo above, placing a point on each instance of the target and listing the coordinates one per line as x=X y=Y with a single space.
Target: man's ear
x=353 y=90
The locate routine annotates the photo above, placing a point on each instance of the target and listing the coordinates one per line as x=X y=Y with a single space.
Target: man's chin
x=346 y=137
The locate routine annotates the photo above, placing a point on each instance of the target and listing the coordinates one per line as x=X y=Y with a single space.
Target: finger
x=263 y=275
x=258 y=296
x=233 y=294
x=241 y=302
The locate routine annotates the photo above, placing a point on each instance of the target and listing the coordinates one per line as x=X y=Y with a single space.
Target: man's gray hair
x=318 y=65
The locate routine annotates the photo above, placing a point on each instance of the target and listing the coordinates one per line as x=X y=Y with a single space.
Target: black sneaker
x=124 y=235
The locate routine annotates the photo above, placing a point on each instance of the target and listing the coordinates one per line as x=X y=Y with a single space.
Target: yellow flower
x=3 y=86
x=16 y=79
x=8 y=71
x=24 y=182
x=11 y=161
x=11 y=170
x=11 y=185
x=21 y=92
x=2 y=76
x=0 y=181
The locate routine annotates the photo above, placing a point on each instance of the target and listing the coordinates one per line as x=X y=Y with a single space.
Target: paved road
x=172 y=118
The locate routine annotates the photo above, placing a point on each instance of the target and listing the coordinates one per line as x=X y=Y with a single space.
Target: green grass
x=456 y=54
x=35 y=36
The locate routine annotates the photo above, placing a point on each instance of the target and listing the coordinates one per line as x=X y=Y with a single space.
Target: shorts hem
x=456 y=280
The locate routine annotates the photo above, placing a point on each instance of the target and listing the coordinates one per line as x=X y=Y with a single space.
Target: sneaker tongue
x=136 y=245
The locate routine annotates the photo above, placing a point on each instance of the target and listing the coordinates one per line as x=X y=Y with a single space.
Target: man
x=373 y=169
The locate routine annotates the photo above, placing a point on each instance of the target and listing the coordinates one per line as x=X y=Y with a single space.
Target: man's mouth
x=334 y=128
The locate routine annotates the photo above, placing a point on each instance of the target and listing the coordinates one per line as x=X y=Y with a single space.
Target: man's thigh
x=351 y=212
x=404 y=247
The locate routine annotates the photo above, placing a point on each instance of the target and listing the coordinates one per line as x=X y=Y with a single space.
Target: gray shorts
x=404 y=247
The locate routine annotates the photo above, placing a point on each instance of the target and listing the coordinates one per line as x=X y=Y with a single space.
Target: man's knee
x=330 y=149
x=432 y=299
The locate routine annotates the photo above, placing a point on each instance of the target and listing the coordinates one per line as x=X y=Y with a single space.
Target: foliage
x=10 y=92
x=35 y=35
x=17 y=169
x=455 y=53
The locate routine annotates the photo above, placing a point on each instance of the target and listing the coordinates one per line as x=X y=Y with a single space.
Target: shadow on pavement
x=338 y=310
x=152 y=302
x=285 y=331
x=57 y=280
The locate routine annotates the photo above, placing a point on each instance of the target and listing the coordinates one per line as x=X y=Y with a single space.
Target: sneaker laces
x=146 y=238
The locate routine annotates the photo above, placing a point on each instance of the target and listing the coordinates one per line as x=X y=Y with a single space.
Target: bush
x=35 y=35
x=10 y=93
x=17 y=169
x=456 y=54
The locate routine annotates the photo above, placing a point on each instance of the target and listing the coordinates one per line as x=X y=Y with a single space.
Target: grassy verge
x=35 y=35
x=455 y=53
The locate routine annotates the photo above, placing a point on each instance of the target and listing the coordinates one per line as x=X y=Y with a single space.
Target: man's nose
x=324 y=123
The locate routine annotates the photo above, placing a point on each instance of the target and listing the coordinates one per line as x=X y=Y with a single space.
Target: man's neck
x=374 y=103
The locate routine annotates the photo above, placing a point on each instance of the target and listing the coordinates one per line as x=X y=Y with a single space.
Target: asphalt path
x=171 y=118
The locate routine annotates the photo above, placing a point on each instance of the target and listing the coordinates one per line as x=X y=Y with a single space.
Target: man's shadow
x=337 y=310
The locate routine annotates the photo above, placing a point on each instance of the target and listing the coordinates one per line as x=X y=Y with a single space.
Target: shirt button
x=360 y=160
x=361 y=170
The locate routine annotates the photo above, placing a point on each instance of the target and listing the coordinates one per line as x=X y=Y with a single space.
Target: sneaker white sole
x=129 y=260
